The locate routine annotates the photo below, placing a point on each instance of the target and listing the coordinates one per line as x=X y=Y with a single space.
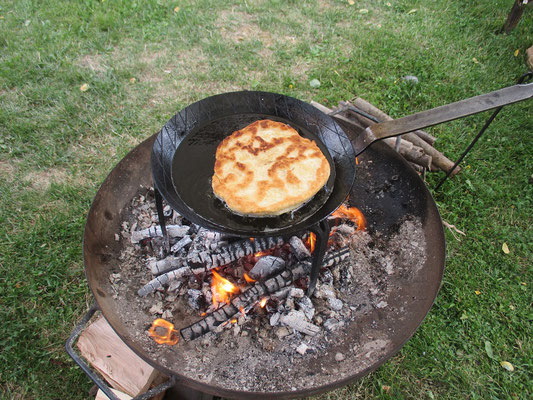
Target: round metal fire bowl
x=384 y=209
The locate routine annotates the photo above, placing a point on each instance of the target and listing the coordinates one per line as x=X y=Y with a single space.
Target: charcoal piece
x=299 y=249
x=333 y=324
x=306 y=306
x=185 y=241
x=165 y=265
x=274 y=319
x=266 y=267
x=326 y=277
x=245 y=299
x=155 y=231
x=195 y=299
x=335 y=304
x=297 y=321
x=162 y=280
x=296 y=292
x=345 y=229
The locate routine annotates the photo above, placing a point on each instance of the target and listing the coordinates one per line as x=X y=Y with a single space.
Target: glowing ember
x=356 y=161
x=261 y=253
x=353 y=214
x=248 y=279
x=311 y=241
x=222 y=289
x=234 y=321
x=263 y=302
x=163 y=332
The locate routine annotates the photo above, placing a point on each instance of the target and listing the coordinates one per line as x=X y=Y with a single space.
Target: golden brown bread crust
x=267 y=168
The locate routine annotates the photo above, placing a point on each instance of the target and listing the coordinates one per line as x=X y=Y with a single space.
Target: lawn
x=83 y=82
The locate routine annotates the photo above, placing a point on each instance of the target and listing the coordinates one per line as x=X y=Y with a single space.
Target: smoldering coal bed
x=291 y=343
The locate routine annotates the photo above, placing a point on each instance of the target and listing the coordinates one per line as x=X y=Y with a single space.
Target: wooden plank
x=121 y=395
x=114 y=360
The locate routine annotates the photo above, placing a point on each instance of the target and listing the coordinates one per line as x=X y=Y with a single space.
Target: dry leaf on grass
x=84 y=87
x=505 y=248
x=507 y=365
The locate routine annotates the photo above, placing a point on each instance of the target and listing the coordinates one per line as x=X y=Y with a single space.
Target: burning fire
x=311 y=241
x=263 y=302
x=353 y=214
x=222 y=289
x=169 y=336
x=248 y=279
x=261 y=253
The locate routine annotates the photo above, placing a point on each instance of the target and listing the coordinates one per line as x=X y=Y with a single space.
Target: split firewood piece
x=173 y=231
x=438 y=159
x=164 y=279
x=204 y=261
x=121 y=395
x=114 y=360
x=529 y=58
x=298 y=321
x=223 y=314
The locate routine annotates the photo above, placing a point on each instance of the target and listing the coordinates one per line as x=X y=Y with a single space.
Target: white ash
x=258 y=352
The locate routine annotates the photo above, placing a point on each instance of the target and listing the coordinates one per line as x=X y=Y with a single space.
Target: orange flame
x=263 y=302
x=261 y=253
x=170 y=336
x=353 y=214
x=248 y=279
x=356 y=161
x=311 y=241
x=222 y=289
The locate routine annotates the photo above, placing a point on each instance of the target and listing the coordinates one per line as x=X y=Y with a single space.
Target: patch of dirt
x=237 y=27
x=94 y=62
x=6 y=169
x=41 y=179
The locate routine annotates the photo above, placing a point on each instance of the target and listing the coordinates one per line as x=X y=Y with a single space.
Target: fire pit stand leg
x=321 y=230
x=161 y=216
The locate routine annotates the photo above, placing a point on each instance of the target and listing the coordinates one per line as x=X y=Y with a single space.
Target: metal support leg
x=161 y=216
x=321 y=230
x=528 y=76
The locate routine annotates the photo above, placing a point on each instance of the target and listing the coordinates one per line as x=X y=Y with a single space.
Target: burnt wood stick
x=162 y=280
x=165 y=265
x=222 y=314
x=438 y=159
x=232 y=252
x=268 y=287
x=155 y=231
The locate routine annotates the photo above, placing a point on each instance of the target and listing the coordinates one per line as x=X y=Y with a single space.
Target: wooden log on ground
x=412 y=153
x=439 y=160
x=114 y=360
x=529 y=58
x=430 y=139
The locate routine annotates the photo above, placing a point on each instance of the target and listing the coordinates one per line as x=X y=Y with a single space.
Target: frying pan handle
x=438 y=115
x=94 y=377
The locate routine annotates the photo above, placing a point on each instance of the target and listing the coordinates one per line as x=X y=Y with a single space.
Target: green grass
x=58 y=143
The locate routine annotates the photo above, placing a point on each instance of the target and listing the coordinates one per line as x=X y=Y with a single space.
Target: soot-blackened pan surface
x=388 y=191
x=183 y=159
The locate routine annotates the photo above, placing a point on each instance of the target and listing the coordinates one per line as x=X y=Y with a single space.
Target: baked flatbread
x=267 y=168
